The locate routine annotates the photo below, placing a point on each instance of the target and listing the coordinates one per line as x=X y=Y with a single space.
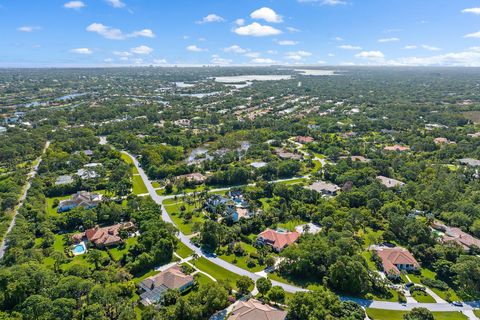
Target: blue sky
x=41 y=33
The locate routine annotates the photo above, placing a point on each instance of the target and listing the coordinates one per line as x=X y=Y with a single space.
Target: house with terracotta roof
x=106 y=236
x=304 y=139
x=255 y=310
x=394 y=260
x=277 y=239
x=396 y=147
x=82 y=199
x=154 y=287
x=457 y=235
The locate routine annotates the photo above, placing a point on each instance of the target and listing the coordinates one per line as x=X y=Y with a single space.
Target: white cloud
x=472 y=35
x=82 y=50
x=116 y=3
x=331 y=55
x=370 y=55
x=142 y=33
x=216 y=59
x=256 y=30
x=287 y=42
x=211 y=18
x=263 y=61
x=266 y=14
x=194 y=48
x=469 y=58
x=272 y=51
x=472 y=10
x=326 y=2
x=338 y=39
x=143 y=49
x=388 y=40
x=297 y=55
x=117 y=34
x=350 y=47
x=108 y=60
x=74 y=5
x=122 y=53
x=124 y=58
x=240 y=22
x=28 y=29
x=106 y=31
x=160 y=61
x=252 y=54
x=430 y=48
x=292 y=29
x=235 y=49
x=410 y=47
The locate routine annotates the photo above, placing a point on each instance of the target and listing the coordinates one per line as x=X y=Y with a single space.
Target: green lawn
x=379 y=314
x=129 y=160
x=183 y=251
x=117 y=253
x=138 y=186
x=144 y=276
x=215 y=271
x=422 y=297
x=368 y=256
x=290 y=225
x=156 y=184
x=426 y=273
x=241 y=261
x=185 y=226
x=293 y=181
x=50 y=210
x=477 y=312
x=202 y=279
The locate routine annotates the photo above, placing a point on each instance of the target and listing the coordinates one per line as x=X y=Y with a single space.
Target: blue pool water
x=79 y=249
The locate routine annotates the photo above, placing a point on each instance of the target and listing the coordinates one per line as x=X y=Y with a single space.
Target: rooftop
x=255 y=310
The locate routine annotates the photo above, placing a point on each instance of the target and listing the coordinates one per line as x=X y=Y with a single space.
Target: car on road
x=457 y=304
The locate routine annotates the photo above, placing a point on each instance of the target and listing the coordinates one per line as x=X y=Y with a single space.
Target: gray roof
x=322 y=186
x=66 y=179
x=389 y=182
x=470 y=162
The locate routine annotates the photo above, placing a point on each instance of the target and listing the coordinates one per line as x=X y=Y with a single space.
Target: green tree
x=263 y=285
x=244 y=284
x=419 y=314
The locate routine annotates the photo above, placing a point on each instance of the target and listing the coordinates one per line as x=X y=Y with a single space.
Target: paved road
x=287 y=287
x=31 y=175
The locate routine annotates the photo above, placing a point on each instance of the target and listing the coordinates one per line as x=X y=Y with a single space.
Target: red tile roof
x=108 y=235
x=394 y=256
x=279 y=240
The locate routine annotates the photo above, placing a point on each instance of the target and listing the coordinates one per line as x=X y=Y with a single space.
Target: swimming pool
x=79 y=249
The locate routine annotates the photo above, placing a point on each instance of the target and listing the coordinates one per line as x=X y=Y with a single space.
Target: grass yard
x=241 y=261
x=185 y=226
x=138 y=186
x=290 y=225
x=477 y=312
x=368 y=256
x=394 y=296
x=293 y=181
x=137 y=280
x=215 y=271
x=117 y=253
x=129 y=160
x=183 y=251
x=379 y=314
x=202 y=279
x=426 y=273
x=422 y=297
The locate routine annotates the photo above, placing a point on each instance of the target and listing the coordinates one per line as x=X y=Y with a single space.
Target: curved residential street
x=31 y=175
x=466 y=308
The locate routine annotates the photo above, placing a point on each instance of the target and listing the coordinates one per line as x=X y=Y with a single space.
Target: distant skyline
x=96 y=33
